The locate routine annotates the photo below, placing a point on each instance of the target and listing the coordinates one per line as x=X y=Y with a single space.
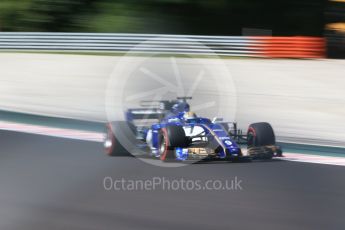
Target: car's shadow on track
x=199 y=162
x=246 y=161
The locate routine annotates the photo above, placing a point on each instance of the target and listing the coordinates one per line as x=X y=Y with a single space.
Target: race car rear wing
x=142 y=114
x=153 y=109
x=163 y=105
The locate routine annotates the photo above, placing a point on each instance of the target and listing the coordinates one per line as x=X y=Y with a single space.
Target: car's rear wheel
x=112 y=145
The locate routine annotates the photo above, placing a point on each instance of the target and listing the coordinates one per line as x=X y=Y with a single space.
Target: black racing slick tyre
x=112 y=144
x=260 y=134
x=171 y=137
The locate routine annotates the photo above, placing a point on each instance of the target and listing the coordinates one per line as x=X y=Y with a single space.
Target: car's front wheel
x=261 y=140
x=260 y=134
x=171 y=137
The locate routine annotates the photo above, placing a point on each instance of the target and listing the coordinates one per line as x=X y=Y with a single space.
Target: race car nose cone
x=235 y=151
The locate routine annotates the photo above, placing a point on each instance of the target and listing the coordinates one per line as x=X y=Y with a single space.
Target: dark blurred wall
x=213 y=17
x=335 y=29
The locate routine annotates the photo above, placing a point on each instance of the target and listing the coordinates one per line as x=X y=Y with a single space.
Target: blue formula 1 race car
x=171 y=132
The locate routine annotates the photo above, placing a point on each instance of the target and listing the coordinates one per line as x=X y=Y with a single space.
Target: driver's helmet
x=180 y=107
x=189 y=115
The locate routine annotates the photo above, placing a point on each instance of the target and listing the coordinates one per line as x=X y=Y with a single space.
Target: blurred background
x=294 y=17
x=231 y=17
x=295 y=29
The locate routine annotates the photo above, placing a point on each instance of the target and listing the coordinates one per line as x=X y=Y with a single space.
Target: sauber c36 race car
x=171 y=132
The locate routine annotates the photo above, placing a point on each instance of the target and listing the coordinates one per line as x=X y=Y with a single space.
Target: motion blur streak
x=291 y=47
x=303 y=99
x=243 y=46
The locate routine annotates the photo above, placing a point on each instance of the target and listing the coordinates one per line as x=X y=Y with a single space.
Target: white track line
x=98 y=137
x=329 y=160
x=50 y=131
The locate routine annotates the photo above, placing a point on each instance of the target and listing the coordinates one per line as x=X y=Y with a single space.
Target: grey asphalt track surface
x=54 y=183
